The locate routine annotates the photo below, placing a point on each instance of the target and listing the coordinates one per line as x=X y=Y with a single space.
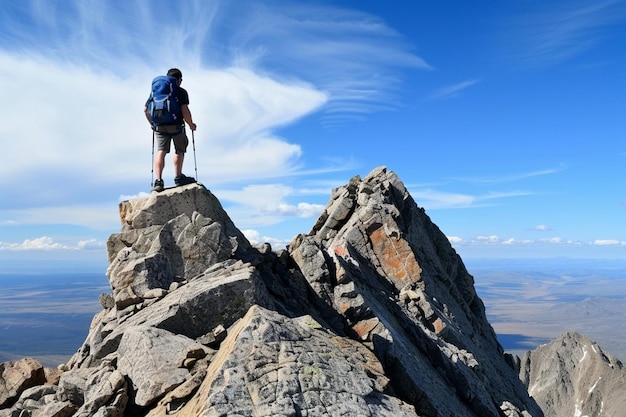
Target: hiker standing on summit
x=167 y=111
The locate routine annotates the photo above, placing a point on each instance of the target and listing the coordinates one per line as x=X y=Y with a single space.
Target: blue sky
x=505 y=120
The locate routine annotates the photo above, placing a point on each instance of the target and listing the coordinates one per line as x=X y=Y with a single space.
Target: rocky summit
x=372 y=313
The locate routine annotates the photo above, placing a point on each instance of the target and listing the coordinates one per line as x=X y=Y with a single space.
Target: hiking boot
x=158 y=186
x=182 y=179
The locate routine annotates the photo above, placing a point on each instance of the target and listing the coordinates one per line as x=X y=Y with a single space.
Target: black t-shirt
x=182 y=96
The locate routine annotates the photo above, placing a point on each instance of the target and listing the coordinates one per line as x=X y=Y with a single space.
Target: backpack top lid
x=163 y=85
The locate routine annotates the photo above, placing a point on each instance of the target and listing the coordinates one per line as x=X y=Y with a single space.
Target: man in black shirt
x=165 y=134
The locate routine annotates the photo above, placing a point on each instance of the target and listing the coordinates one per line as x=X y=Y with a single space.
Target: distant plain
x=532 y=301
x=46 y=315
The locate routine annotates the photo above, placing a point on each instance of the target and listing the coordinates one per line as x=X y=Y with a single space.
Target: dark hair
x=175 y=72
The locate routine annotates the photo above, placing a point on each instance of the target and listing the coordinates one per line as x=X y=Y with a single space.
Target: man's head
x=175 y=72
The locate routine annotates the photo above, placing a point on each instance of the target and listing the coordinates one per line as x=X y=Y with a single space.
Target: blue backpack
x=163 y=107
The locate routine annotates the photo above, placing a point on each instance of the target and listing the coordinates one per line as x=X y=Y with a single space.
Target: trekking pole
x=152 y=178
x=193 y=142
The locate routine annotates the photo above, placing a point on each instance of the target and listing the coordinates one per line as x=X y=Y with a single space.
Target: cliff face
x=372 y=313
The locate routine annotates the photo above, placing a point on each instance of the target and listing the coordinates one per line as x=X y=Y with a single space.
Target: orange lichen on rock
x=396 y=257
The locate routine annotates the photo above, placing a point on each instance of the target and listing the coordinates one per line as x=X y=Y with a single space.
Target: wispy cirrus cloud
x=452 y=90
x=555 y=32
x=511 y=177
x=432 y=199
x=352 y=55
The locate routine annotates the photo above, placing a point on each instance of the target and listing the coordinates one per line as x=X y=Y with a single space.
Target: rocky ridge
x=573 y=376
x=372 y=313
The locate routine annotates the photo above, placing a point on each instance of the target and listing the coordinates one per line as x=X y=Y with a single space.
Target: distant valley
x=532 y=301
x=47 y=315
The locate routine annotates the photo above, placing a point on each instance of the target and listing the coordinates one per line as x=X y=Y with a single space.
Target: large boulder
x=169 y=237
x=88 y=391
x=273 y=365
x=17 y=376
x=156 y=361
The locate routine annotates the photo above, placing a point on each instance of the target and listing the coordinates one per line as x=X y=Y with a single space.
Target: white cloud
x=255 y=238
x=266 y=204
x=299 y=210
x=141 y=194
x=47 y=243
x=495 y=240
x=455 y=239
x=553 y=240
x=256 y=195
x=488 y=239
x=75 y=112
x=252 y=235
x=43 y=243
x=608 y=242
x=90 y=244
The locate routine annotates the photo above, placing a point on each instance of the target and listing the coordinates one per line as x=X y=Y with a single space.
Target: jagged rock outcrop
x=372 y=313
x=573 y=376
x=376 y=257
